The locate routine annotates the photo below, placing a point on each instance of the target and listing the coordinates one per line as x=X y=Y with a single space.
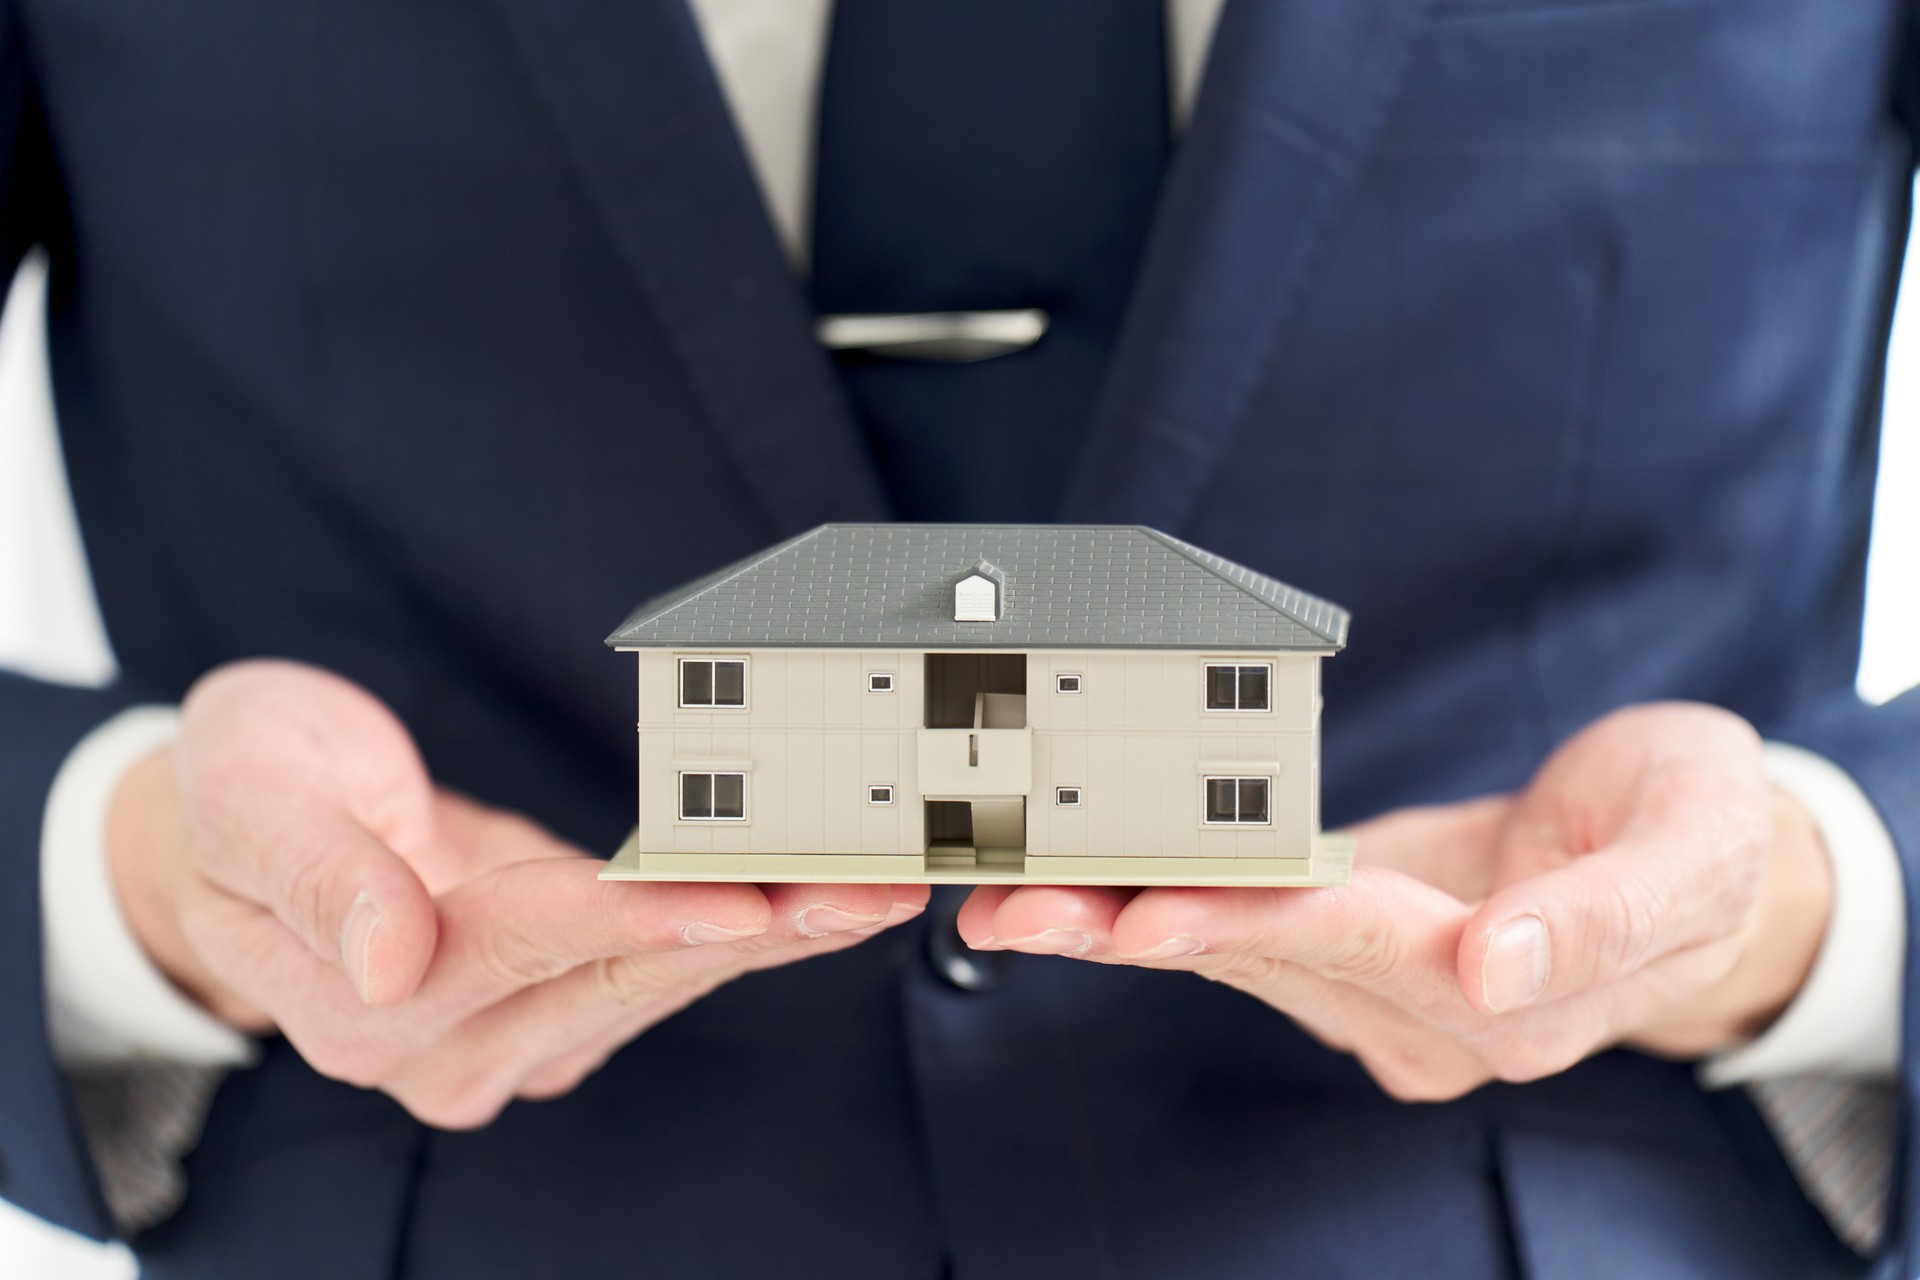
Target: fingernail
x=1519 y=959
x=701 y=932
x=1172 y=949
x=819 y=921
x=356 y=943
x=1049 y=942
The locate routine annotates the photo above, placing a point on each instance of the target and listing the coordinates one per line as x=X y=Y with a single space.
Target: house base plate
x=1331 y=864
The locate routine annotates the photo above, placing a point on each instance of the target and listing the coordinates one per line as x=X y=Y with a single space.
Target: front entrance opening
x=980 y=699
x=964 y=834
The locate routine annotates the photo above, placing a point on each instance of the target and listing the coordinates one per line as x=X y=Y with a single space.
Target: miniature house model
x=972 y=703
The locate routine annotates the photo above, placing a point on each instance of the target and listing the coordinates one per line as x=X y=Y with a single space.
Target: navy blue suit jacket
x=420 y=340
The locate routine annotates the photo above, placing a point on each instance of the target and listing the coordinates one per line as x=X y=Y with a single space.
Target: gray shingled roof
x=881 y=586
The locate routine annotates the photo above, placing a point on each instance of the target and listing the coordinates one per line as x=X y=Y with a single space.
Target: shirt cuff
x=1846 y=1019
x=106 y=1001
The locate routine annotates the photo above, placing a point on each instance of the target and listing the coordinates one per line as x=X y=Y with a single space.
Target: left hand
x=1648 y=888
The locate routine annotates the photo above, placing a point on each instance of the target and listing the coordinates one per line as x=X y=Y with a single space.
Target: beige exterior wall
x=1137 y=740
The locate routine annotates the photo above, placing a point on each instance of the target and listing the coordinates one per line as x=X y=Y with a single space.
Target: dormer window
x=975 y=600
x=980 y=594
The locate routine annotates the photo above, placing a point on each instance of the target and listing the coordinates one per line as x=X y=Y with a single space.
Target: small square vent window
x=880 y=795
x=1066 y=684
x=879 y=682
x=1067 y=797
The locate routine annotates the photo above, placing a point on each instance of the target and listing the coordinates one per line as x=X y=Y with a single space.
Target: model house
x=1044 y=703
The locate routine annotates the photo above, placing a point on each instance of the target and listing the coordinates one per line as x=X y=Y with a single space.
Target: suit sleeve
x=44 y=1167
x=43 y=1163
x=1879 y=747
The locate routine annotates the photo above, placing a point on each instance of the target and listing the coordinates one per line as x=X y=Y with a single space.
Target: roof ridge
x=1199 y=557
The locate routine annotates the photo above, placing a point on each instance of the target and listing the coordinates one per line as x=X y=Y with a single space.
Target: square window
x=1066 y=684
x=879 y=682
x=713 y=682
x=713 y=797
x=1067 y=797
x=1236 y=801
x=880 y=795
x=1237 y=688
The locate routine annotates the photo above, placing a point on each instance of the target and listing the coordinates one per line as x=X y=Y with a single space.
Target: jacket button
x=950 y=958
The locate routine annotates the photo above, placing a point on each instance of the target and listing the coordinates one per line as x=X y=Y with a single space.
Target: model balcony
x=961 y=764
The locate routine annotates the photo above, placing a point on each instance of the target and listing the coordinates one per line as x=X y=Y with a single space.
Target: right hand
x=289 y=864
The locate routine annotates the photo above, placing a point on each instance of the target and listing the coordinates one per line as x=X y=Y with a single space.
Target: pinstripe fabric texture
x=1838 y=1134
x=141 y=1119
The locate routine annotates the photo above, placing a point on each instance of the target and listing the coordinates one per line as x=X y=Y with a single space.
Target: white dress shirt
x=107 y=1001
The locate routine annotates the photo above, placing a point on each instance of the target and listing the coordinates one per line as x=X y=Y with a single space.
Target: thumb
x=346 y=895
x=1590 y=923
x=302 y=793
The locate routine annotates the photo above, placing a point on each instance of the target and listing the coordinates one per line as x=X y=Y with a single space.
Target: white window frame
x=680 y=797
x=680 y=682
x=1206 y=681
x=1079 y=797
x=880 y=675
x=1206 y=783
x=1079 y=683
x=880 y=786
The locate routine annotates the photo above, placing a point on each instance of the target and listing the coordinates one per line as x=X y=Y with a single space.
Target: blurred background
x=50 y=627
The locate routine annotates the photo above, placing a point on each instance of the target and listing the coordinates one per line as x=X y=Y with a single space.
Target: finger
x=814 y=910
x=338 y=887
x=975 y=918
x=1683 y=872
x=1052 y=920
x=530 y=921
x=252 y=955
x=1383 y=932
x=1453 y=847
x=262 y=961
x=1412 y=1059
x=469 y=839
x=583 y=1015
x=560 y=1074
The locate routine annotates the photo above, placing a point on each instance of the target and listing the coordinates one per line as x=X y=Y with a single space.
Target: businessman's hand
x=1647 y=888
x=290 y=864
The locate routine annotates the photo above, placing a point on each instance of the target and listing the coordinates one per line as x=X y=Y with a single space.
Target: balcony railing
x=956 y=764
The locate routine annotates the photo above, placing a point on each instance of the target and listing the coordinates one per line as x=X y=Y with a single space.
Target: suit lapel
x=1294 y=100
x=627 y=86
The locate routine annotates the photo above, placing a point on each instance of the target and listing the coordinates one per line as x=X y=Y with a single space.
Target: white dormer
x=975 y=600
x=979 y=595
